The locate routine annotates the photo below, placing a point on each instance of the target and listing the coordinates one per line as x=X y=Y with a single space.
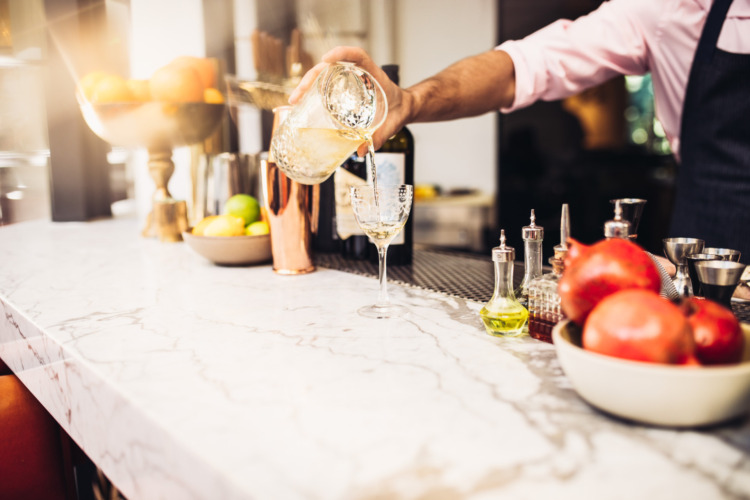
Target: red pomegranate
x=717 y=333
x=596 y=271
x=640 y=325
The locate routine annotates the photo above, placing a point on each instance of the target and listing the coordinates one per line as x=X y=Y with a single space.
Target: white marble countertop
x=182 y=379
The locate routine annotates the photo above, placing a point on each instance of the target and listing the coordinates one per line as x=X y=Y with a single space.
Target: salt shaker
x=504 y=315
x=532 y=254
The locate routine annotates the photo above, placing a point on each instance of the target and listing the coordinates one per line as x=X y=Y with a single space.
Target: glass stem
x=383 y=294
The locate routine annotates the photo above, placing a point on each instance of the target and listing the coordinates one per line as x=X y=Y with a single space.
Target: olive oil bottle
x=503 y=315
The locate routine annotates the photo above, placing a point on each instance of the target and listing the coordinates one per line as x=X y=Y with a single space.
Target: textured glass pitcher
x=339 y=112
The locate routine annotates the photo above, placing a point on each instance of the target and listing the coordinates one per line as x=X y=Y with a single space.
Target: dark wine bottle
x=354 y=243
x=394 y=163
x=326 y=240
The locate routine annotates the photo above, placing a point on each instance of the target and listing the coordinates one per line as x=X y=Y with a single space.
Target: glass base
x=382 y=311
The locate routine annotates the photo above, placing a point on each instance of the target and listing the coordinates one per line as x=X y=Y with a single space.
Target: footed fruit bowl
x=652 y=393
x=159 y=127
x=153 y=125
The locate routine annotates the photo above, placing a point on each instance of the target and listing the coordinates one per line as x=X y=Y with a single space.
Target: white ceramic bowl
x=651 y=393
x=231 y=250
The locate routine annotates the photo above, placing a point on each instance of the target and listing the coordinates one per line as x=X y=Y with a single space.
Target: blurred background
x=486 y=173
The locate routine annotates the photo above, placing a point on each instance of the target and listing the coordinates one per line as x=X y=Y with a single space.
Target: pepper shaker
x=533 y=236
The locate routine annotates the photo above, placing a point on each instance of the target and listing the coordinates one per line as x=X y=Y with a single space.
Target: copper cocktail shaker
x=292 y=210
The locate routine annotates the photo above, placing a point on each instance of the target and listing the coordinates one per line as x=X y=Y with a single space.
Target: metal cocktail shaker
x=292 y=210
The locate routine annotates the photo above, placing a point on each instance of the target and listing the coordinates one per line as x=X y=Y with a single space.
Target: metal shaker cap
x=532 y=231
x=503 y=253
x=618 y=227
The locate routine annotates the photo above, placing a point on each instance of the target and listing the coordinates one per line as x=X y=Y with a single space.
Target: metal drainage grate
x=456 y=274
x=459 y=275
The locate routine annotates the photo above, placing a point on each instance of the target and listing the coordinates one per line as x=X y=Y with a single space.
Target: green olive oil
x=508 y=322
x=503 y=315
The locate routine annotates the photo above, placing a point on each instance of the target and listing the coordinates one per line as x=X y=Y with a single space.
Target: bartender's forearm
x=470 y=87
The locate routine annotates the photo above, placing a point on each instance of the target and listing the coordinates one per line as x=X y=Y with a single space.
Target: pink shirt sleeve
x=567 y=57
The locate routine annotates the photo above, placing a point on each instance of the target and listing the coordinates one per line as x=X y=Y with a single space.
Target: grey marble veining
x=182 y=379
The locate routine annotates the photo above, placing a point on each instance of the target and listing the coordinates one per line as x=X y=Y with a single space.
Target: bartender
x=698 y=53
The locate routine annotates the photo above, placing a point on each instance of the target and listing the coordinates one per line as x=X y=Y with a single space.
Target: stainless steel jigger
x=692 y=260
x=632 y=209
x=724 y=253
x=719 y=278
x=676 y=249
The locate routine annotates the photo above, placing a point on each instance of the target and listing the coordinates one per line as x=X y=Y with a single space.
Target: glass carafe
x=341 y=110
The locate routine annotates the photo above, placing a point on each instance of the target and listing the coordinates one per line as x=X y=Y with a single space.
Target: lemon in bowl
x=222 y=225
x=257 y=228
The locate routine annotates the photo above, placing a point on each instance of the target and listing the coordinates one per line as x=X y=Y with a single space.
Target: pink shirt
x=630 y=37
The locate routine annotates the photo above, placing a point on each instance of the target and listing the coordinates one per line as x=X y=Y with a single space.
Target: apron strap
x=711 y=30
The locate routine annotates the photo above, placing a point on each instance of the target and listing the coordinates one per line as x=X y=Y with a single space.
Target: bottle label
x=391 y=171
x=346 y=223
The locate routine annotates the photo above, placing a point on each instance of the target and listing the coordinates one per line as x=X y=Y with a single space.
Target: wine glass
x=381 y=214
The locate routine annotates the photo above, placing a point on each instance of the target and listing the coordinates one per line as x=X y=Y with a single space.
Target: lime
x=257 y=228
x=243 y=205
x=225 y=225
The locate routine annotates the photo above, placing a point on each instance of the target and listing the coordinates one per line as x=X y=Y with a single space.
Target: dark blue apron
x=713 y=181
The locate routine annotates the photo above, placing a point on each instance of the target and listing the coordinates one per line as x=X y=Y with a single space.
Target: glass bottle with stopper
x=532 y=254
x=617 y=227
x=544 y=300
x=504 y=315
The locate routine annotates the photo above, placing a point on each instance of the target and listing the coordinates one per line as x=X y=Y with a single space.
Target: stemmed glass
x=632 y=209
x=676 y=250
x=381 y=214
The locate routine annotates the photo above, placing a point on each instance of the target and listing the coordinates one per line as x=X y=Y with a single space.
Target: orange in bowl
x=213 y=96
x=176 y=83
x=205 y=67
x=111 y=88
x=88 y=83
x=140 y=89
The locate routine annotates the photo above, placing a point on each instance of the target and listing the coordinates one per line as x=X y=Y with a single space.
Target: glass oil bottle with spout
x=504 y=315
x=532 y=253
x=544 y=300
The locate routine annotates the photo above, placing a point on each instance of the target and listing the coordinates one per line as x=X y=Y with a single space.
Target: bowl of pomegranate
x=632 y=353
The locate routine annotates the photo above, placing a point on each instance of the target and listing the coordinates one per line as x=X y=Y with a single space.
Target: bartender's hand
x=399 y=100
x=667 y=265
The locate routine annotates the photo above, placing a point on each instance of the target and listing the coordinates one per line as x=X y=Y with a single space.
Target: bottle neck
x=503 y=279
x=557 y=267
x=558 y=261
